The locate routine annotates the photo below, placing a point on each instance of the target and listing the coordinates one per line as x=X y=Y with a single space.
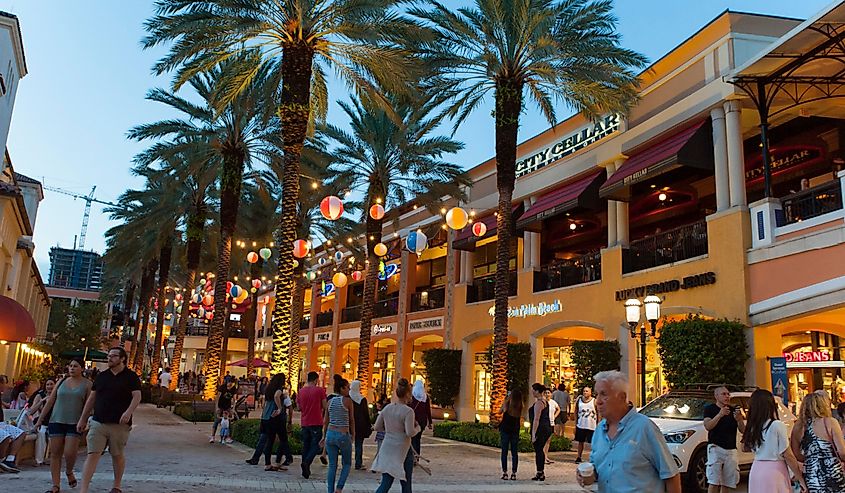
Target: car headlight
x=678 y=436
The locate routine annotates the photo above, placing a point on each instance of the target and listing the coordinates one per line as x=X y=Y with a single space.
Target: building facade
x=75 y=269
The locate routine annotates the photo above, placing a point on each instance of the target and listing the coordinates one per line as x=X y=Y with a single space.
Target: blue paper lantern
x=416 y=241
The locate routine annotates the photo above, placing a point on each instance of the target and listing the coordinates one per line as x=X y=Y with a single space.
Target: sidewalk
x=166 y=453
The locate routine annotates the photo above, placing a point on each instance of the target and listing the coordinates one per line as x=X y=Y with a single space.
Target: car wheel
x=697 y=472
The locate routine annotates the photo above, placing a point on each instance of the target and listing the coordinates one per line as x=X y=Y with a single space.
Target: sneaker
x=306 y=471
x=252 y=462
x=211 y=439
x=229 y=440
x=9 y=466
x=577 y=460
x=287 y=462
x=324 y=461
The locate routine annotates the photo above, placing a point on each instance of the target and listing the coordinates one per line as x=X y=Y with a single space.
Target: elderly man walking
x=629 y=454
x=721 y=420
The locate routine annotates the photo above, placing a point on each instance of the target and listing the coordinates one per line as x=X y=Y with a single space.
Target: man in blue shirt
x=629 y=453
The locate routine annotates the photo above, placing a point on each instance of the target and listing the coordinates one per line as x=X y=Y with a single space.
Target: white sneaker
x=211 y=439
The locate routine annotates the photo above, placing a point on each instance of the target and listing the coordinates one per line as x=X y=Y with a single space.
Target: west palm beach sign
x=586 y=135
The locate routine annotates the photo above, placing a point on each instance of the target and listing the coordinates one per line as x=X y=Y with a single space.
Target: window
x=431 y=274
x=484 y=259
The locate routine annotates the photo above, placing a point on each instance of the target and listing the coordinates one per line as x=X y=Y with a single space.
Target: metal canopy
x=807 y=64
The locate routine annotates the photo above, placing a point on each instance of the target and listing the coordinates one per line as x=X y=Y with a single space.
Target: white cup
x=587 y=472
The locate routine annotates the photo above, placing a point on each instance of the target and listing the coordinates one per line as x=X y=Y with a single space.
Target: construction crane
x=88 y=199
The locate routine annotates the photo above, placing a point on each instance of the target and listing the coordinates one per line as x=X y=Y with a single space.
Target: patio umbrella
x=90 y=355
x=256 y=363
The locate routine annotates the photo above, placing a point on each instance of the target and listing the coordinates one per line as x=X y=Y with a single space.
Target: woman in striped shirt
x=338 y=434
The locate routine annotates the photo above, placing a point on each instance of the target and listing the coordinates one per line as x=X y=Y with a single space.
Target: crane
x=88 y=200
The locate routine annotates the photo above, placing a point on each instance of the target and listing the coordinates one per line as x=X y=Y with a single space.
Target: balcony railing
x=325 y=319
x=667 y=247
x=428 y=299
x=569 y=272
x=812 y=202
x=484 y=288
x=350 y=314
x=388 y=307
x=201 y=330
x=304 y=324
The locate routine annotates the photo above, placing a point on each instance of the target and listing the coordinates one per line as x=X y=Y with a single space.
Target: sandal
x=54 y=489
x=115 y=490
x=71 y=480
x=279 y=467
x=270 y=468
x=505 y=476
x=513 y=477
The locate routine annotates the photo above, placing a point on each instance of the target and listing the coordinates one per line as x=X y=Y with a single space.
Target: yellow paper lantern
x=457 y=218
x=339 y=280
x=380 y=249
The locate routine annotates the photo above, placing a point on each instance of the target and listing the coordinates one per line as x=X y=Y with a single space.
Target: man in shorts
x=115 y=395
x=11 y=441
x=721 y=420
x=586 y=419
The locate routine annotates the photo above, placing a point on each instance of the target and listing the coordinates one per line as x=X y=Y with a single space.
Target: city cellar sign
x=530 y=309
x=583 y=137
x=688 y=282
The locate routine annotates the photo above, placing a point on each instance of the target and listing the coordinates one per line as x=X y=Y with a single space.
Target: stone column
x=622 y=227
x=611 y=212
x=736 y=158
x=449 y=291
x=406 y=272
x=466 y=267
x=720 y=159
x=465 y=407
x=526 y=249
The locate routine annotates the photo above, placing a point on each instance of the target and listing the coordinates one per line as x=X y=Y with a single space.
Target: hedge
x=186 y=411
x=484 y=434
x=591 y=357
x=443 y=373
x=246 y=432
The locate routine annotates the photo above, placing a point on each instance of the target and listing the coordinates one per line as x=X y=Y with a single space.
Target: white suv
x=680 y=416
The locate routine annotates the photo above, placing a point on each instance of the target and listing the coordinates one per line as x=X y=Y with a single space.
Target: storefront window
x=484 y=259
x=814 y=362
x=656 y=384
x=483 y=381
x=557 y=365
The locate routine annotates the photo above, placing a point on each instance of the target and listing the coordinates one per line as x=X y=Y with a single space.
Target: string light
x=443 y=210
x=378 y=200
x=314 y=185
x=349 y=240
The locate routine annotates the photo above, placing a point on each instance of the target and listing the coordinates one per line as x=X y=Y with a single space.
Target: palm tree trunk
x=252 y=316
x=370 y=284
x=142 y=337
x=128 y=301
x=508 y=107
x=224 y=353
x=294 y=362
x=230 y=195
x=165 y=256
x=143 y=315
x=195 y=229
x=294 y=111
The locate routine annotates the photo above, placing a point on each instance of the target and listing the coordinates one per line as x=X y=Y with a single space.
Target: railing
x=350 y=314
x=665 y=248
x=304 y=324
x=812 y=202
x=428 y=299
x=569 y=272
x=325 y=319
x=484 y=288
x=387 y=308
x=201 y=330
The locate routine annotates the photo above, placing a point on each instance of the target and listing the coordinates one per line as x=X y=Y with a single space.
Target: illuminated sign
x=382 y=329
x=530 y=309
x=434 y=323
x=323 y=337
x=390 y=270
x=783 y=159
x=688 y=282
x=807 y=356
x=583 y=137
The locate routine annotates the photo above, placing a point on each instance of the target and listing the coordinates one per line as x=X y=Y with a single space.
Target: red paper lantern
x=256 y=283
x=208 y=300
x=252 y=257
x=377 y=212
x=178 y=296
x=357 y=275
x=479 y=229
x=331 y=208
x=229 y=285
x=300 y=248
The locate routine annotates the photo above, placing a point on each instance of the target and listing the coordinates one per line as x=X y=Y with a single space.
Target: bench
x=169 y=398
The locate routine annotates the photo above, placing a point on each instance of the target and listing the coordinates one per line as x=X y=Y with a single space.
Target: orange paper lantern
x=331 y=208
x=377 y=212
x=300 y=248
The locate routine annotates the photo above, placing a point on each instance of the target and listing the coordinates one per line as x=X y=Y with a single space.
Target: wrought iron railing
x=387 y=307
x=350 y=314
x=812 y=202
x=484 y=288
x=429 y=299
x=667 y=247
x=325 y=319
x=569 y=272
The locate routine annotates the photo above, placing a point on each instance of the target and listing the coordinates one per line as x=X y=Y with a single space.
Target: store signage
x=807 y=356
x=688 y=282
x=779 y=378
x=303 y=339
x=382 y=329
x=782 y=159
x=323 y=337
x=434 y=323
x=390 y=270
x=530 y=309
x=583 y=137
x=482 y=358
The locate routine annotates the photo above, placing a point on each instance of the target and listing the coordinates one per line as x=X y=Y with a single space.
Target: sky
x=88 y=76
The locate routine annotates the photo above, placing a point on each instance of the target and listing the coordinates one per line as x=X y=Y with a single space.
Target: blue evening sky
x=88 y=77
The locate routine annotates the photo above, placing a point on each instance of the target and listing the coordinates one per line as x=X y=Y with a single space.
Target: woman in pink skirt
x=766 y=436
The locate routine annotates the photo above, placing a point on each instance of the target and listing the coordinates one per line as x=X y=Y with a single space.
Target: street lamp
x=632 y=315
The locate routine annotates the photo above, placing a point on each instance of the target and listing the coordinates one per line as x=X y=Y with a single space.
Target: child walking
x=225 y=435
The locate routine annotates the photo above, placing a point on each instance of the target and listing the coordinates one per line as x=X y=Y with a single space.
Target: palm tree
x=547 y=50
x=299 y=40
x=390 y=163
x=234 y=136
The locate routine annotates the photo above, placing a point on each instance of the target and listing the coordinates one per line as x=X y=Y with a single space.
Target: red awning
x=256 y=363
x=465 y=240
x=579 y=192
x=16 y=324
x=691 y=147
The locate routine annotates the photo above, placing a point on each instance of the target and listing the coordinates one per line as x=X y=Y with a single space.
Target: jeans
x=509 y=441
x=311 y=436
x=539 y=443
x=387 y=479
x=359 y=452
x=416 y=442
x=338 y=443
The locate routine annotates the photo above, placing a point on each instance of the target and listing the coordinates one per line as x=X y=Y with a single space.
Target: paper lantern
x=479 y=229
x=256 y=283
x=229 y=285
x=311 y=276
x=380 y=249
x=242 y=297
x=196 y=299
x=295 y=263
x=300 y=248
x=208 y=300
x=178 y=297
x=338 y=256
x=236 y=291
x=253 y=290
x=457 y=218
x=416 y=241
x=209 y=315
x=357 y=275
x=201 y=312
x=252 y=257
x=377 y=212
x=331 y=208
x=322 y=261
x=265 y=253
x=339 y=279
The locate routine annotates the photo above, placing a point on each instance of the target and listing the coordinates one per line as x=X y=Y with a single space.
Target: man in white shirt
x=164 y=379
x=586 y=419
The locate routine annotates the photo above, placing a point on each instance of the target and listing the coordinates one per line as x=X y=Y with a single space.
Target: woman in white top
x=766 y=436
x=554 y=411
x=395 y=458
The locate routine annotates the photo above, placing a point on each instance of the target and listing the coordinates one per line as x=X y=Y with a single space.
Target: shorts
x=62 y=430
x=561 y=419
x=583 y=435
x=113 y=435
x=722 y=466
x=9 y=431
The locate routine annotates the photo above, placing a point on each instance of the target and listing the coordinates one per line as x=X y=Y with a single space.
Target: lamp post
x=652 y=314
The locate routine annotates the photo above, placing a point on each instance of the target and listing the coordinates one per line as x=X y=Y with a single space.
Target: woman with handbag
x=363 y=425
x=817 y=441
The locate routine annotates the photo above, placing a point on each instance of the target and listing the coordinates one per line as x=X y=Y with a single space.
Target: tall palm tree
x=390 y=162
x=299 y=40
x=545 y=50
x=235 y=135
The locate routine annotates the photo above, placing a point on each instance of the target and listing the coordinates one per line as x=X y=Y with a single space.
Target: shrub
x=699 y=350
x=246 y=431
x=443 y=375
x=485 y=434
x=519 y=365
x=591 y=357
x=186 y=411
